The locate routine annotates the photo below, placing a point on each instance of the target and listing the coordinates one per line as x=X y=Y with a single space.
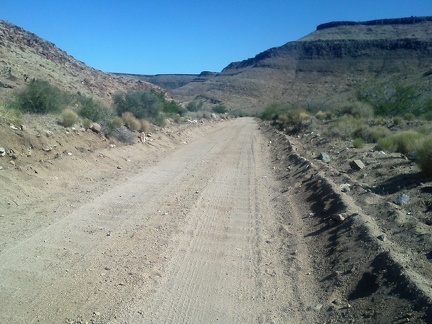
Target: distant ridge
x=392 y=21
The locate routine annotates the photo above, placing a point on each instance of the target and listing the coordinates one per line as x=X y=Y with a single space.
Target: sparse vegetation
x=219 y=109
x=68 y=117
x=131 y=121
x=93 y=109
x=424 y=155
x=40 y=97
x=403 y=142
x=358 y=142
x=195 y=106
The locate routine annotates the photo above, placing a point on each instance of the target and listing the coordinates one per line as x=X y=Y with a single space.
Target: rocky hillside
x=24 y=56
x=326 y=65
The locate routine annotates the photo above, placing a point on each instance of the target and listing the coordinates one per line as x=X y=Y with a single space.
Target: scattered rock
x=13 y=127
x=382 y=237
x=95 y=127
x=2 y=151
x=47 y=149
x=48 y=133
x=119 y=167
x=339 y=218
x=401 y=199
x=357 y=165
x=324 y=157
x=317 y=307
x=345 y=187
x=12 y=162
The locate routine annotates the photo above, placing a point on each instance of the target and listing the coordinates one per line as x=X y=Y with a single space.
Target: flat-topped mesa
x=392 y=21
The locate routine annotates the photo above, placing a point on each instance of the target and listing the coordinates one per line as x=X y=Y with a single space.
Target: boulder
x=324 y=157
x=2 y=151
x=95 y=127
x=357 y=165
x=401 y=199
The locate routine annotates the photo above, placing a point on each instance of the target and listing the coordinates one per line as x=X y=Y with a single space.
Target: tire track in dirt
x=193 y=238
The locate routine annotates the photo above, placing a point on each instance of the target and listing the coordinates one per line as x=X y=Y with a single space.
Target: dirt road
x=191 y=238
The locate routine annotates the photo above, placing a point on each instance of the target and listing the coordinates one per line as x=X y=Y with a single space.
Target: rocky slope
x=24 y=56
x=328 y=63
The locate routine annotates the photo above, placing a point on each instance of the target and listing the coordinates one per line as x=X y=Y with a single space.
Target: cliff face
x=328 y=63
x=24 y=56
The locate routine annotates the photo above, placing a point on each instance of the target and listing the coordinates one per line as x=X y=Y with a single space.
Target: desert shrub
x=323 y=115
x=94 y=110
x=219 y=109
x=160 y=120
x=428 y=116
x=403 y=142
x=275 y=109
x=131 y=121
x=358 y=109
x=371 y=134
x=86 y=123
x=8 y=113
x=397 y=120
x=143 y=104
x=68 y=117
x=393 y=98
x=358 y=142
x=424 y=155
x=173 y=108
x=145 y=126
x=40 y=97
x=409 y=116
x=344 y=127
x=425 y=129
x=195 y=106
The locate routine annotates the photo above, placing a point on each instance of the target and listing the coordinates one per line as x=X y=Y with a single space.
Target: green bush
x=409 y=116
x=195 y=106
x=403 y=142
x=219 y=109
x=358 y=143
x=358 y=110
x=397 y=120
x=68 y=117
x=40 y=97
x=143 y=104
x=371 y=134
x=394 y=98
x=344 y=127
x=93 y=110
x=424 y=155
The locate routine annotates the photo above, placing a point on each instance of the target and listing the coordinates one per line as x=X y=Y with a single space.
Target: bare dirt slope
x=187 y=229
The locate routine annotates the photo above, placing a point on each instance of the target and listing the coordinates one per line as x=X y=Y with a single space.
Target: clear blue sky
x=162 y=36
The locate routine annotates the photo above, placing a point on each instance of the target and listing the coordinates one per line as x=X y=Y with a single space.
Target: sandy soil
x=216 y=222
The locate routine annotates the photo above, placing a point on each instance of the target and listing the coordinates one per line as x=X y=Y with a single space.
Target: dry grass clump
x=371 y=134
x=131 y=121
x=68 y=117
x=344 y=126
x=10 y=114
x=424 y=155
x=403 y=142
x=145 y=126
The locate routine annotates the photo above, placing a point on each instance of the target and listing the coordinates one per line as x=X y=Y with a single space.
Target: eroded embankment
x=364 y=278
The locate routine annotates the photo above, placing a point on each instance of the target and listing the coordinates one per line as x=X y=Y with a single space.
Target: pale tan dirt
x=191 y=229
